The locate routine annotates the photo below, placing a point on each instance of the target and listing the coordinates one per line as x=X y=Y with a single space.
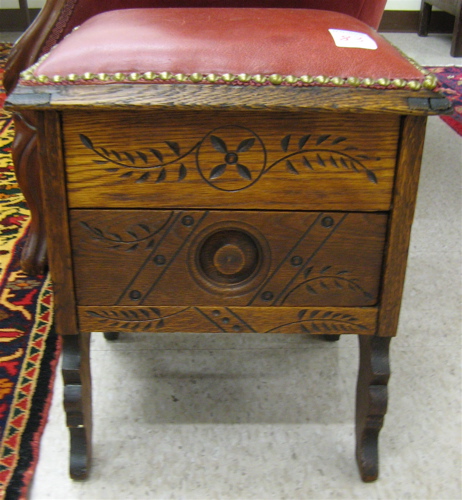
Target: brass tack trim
x=227 y=77
x=336 y=80
x=244 y=77
x=275 y=79
x=307 y=79
x=353 y=81
x=179 y=77
x=430 y=82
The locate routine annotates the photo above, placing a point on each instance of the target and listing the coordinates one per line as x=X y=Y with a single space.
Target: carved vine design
x=327 y=280
x=135 y=319
x=144 y=235
x=329 y=322
x=307 y=154
x=317 y=321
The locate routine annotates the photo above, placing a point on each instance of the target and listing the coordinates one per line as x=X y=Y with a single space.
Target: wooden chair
x=453 y=7
x=261 y=177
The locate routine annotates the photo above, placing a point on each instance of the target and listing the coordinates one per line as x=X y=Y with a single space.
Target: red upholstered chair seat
x=227 y=46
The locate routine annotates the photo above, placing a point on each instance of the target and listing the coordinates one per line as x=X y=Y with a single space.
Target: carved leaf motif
x=126 y=175
x=129 y=157
x=354 y=167
x=320 y=160
x=245 y=145
x=103 y=162
x=322 y=138
x=338 y=140
x=285 y=143
x=301 y=314
x=290 y=167
x=86 y=142
x=116 y=154
x=143 y=178
x=142 y=156
x=333 y=162
x=157 y=154
x=162 y=176
x=303 y=141
x=174 y=146
x=311 y=290
x=307 y=271
x=307 y=163
x=182 y=172
x=244 y=172
x=218 y=171
x=218 y=144
x=371 y=176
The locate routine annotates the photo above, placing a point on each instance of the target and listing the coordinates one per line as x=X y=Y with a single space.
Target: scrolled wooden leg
x=27 y=169
x=371 y=402
x=77 y=401
x=111 y=335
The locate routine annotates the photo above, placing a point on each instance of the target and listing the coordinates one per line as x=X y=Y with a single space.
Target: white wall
x=14 y=4
x=391 y=4
x=402 y=5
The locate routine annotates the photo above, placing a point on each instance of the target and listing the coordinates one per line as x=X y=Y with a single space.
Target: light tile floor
x=271 y=417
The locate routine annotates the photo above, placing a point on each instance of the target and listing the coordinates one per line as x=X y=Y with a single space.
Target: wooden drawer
x=226 y=258
x=230 y=160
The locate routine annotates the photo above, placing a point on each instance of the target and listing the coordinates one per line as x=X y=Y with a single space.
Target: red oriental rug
x=29 y=348
x=451 y=81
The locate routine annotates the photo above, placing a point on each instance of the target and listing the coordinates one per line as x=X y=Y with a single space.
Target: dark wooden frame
x=453 y=7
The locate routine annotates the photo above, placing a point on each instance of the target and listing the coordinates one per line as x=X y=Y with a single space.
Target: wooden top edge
x=166 y=96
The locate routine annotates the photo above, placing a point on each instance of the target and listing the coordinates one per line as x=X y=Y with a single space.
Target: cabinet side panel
x=56 y=221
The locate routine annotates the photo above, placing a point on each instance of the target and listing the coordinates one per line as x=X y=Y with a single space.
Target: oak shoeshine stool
x=228 y=170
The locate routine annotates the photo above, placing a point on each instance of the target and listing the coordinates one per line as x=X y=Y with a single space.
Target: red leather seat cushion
x=219 y=41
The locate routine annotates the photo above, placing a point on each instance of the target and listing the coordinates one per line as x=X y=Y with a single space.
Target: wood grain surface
x=234 y=160
x=402 y=215
x=240 y=98
x=304 y=320
x=50 y=154
x=169 y=257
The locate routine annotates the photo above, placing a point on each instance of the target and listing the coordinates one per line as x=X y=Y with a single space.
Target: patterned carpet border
x=451 y=80
x=29 y=347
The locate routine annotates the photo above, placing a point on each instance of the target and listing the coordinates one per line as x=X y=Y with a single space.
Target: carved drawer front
x=230 y=160
x=226 y=258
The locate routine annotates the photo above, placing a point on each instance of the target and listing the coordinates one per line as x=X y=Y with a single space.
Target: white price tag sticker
x=352 y=39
